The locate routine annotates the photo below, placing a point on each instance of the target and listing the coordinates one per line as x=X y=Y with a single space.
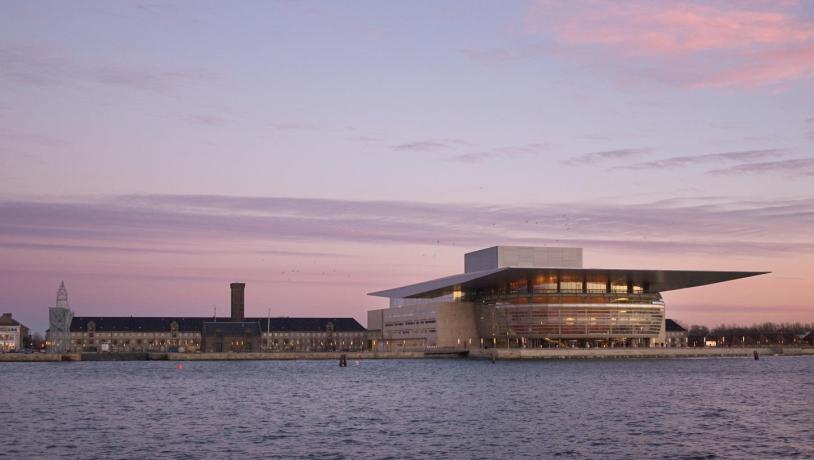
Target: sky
x=153 y=152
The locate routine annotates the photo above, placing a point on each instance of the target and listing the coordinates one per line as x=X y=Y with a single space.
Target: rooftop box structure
x=522 y=256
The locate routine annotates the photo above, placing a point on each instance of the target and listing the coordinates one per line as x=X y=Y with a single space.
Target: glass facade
x=574 y=309
x=563 y=321
x=542 y=283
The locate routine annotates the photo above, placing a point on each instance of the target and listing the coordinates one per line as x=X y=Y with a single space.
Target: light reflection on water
x=713 y=408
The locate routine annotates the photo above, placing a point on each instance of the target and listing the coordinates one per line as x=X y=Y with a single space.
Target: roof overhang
x=658 y=280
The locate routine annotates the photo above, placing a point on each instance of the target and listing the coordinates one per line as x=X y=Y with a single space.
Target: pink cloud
x=687 y=44
x=44 y=66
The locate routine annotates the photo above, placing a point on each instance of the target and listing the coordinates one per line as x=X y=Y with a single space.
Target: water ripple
x=671 y=409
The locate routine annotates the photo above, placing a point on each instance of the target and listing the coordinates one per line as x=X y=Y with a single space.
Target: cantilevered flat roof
x=658 y=280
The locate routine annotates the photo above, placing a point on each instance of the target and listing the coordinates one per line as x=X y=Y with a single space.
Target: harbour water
x=680 y=408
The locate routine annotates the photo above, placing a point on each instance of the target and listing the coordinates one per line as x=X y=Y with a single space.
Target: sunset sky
x=153 y=152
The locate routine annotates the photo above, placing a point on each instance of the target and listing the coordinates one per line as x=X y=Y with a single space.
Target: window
x=596 y=286
x=619 y=287
x=570 y=285
x=518 y=286
x=545 y=283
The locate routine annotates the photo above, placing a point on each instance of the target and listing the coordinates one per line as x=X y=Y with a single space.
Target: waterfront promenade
x=499 y=354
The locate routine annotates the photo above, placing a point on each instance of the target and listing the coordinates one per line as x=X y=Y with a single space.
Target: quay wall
x=499 y=354
x=332 y=355
x=634 y=353
x=37 y=357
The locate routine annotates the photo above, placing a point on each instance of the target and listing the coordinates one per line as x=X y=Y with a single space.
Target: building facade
x=184 y=334
x=235 y=333
x=510 y=296
x=676 y=334
x=13 y=335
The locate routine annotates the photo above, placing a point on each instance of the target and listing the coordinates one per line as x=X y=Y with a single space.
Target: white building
x=533 y=297
x=12 y=333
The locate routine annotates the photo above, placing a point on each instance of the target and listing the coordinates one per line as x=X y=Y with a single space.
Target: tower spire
x=62 y=295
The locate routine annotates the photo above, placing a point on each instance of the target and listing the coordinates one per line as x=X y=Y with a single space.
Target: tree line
x=763 y=328
x=756 y=334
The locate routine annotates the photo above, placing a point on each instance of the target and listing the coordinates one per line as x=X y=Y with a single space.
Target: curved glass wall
x=564 y=320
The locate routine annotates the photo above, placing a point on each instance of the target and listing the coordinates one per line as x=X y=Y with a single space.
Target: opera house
x=510 y=296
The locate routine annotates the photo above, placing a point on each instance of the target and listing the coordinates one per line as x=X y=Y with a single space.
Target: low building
x=314 y=334
x=676 y=335
x=135 y=334
x=210 y=334
x=184 y=334
x=13 y=335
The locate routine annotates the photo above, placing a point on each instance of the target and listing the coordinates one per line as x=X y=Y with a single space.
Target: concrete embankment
x=634 y=353
x=127 y=356
x=499 y=354
x=284 y=356
x=37 y=357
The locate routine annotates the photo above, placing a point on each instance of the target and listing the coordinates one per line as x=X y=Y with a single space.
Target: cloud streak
x=687 y=160
x=49 y=66
x=454 y=150
x=606 y=155
x=795 y=167
x=9 y=136
x=204 y=119
x=95 y=248
x=505 y=153
x=150 y=223
x=429 y=145
x=293 y=126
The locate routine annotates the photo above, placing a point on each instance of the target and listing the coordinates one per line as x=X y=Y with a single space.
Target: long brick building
x=209 y=334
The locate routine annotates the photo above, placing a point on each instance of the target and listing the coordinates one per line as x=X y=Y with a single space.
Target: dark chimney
x=237 y=301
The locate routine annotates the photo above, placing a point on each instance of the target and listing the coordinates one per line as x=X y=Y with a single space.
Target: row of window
x=409 y=323
x=411 y=331
x=548 y=320
x=133 y=342
x=315 y=334
x=192 y=335
x=137 y=334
